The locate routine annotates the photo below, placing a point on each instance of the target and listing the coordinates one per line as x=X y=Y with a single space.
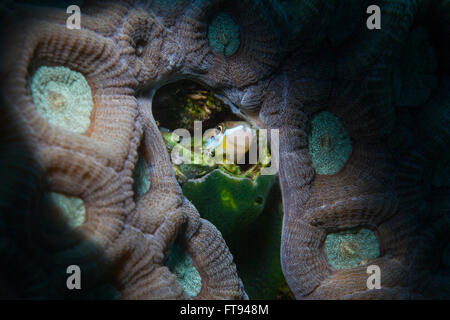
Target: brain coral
x=83 y=102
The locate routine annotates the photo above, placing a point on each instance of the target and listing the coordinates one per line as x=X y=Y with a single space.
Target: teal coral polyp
x=62 y=97
x=141 y=177
x=352 y=248
x=223 y=34
x=181 y=265
x=330 y=145
x=72 y=208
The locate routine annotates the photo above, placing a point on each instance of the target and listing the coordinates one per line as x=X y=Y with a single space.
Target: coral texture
x=351 y=156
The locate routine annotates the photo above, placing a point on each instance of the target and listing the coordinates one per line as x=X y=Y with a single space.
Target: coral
x=72 y=208
x=329 y=144
x=434 y=118
x=305 y=22
x=415 y=77
x=223 y=34
x=429 y=272
x=62 y=97
x=350 y=14
x=349 y=249
x=300 y=67
x=259 y=38
x=141 y=177
x=180 y=263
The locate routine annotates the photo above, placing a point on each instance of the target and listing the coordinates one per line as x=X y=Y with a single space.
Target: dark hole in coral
x=140 y=47
x=179 y=104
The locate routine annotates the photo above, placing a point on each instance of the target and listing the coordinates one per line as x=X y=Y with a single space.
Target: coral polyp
x=329 y=144
x=141 y=178
x=181 y=264
x=223 y=34
x=62 y=97
x=72 y=208
x=349 y=249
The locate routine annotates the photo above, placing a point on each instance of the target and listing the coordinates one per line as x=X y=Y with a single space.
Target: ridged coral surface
x=362 y=138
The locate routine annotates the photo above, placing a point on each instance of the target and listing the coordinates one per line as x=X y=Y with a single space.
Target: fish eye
x=220 y=128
